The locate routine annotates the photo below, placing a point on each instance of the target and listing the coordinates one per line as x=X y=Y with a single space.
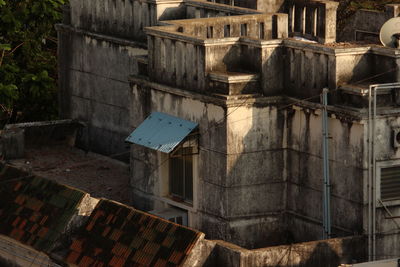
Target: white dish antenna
x=390 y=33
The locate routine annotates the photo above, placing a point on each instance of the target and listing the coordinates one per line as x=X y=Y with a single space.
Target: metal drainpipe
x=374 y=179
x=369 y=183
x=325 y=147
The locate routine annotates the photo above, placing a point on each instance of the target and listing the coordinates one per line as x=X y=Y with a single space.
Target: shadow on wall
x=255 y=177
x=322 y=255
x=173 y=13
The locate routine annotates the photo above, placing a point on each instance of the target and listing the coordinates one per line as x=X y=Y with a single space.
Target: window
x=227 y=30
x=181 y=174
x=261 y=30
x=210 y=32
x=390 y=183
x=243 y=29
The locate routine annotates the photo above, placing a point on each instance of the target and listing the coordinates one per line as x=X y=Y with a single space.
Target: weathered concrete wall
x=313 y=20
x=383 y=263
x=365 y=25
x=94 y=88
x=307 y=72
x=177 y=63
x=256 y=168
x=387 y=228
x=273 y=69
x=269 y=6
x=331 y=252
x=204 y=9
x=255 y=181
x=311 y=67
x=305 y=174
x=149 y=169
x=123 y=18
x=201 y=254
x=42 y=133
x=12 y=144
x=16 y=254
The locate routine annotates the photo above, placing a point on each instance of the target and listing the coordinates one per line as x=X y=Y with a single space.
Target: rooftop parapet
x=261 y=5
x=205 y=9
x=258 y=26
x=314 y=20
x=123 y=18
x=184 y=53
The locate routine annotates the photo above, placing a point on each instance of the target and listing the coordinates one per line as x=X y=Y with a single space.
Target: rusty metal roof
x=161 y=132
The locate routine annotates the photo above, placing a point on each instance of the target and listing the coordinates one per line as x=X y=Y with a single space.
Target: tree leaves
x=5 y=47
x=28 y=71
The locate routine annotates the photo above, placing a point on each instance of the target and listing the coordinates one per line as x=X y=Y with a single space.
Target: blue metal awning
x=161 y=132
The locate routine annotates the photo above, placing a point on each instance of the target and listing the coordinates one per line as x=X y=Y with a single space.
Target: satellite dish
x=390 y=33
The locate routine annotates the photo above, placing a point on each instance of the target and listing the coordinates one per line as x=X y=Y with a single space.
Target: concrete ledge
x=222 y=7
x=234 y=77
x=234 y=83
x=120 y=41
x=361 y=90
x=17 y=254
x=46 y=132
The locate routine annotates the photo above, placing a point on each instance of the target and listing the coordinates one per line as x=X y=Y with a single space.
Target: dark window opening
x=181 y=174
x=227 y=30
x=210 y=32
x=243 y=29
x=261 y=29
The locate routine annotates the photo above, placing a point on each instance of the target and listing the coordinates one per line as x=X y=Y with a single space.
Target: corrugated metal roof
x=161 y=132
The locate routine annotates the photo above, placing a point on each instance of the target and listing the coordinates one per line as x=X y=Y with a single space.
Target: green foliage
x=371 y=4
x=28 y=48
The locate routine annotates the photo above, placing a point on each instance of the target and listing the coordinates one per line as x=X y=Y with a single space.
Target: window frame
x=182 y=157
x=383 y=165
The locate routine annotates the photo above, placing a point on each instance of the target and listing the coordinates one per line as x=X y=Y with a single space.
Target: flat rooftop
x=100 y=176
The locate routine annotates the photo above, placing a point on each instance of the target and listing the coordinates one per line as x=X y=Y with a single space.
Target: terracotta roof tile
x=30 y=206
x=122 y=236
x=86 y=261
x=73 y=257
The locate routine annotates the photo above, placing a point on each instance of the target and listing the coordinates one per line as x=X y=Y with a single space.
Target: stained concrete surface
x=98 y=175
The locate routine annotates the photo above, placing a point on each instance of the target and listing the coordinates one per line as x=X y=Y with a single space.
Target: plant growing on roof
x=28 y=48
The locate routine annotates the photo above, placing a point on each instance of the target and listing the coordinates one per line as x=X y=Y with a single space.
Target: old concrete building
x=246 y=86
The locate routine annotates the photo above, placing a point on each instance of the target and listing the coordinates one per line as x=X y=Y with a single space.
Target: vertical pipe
x=374 y=179
x=369 y=191
x=325 y=148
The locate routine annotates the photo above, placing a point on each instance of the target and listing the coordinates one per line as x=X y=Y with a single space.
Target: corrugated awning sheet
x=161 y=132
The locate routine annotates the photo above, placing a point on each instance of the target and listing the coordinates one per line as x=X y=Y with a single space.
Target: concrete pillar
x=327 y=22
x=282 y=26
x=12 y=143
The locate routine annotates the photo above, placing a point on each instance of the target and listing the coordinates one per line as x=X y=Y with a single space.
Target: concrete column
x=180 y=63
x=197 y=13
x=151 y=63
x=291 y=17
x=282 y=26
x=327 y=21
x=137 y=13
x=314 y=21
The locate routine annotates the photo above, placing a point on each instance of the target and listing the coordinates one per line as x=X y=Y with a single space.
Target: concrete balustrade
x=259 y=26
x=315 y=20
x=123 y=18
x=205 y=9
x=183 y=53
